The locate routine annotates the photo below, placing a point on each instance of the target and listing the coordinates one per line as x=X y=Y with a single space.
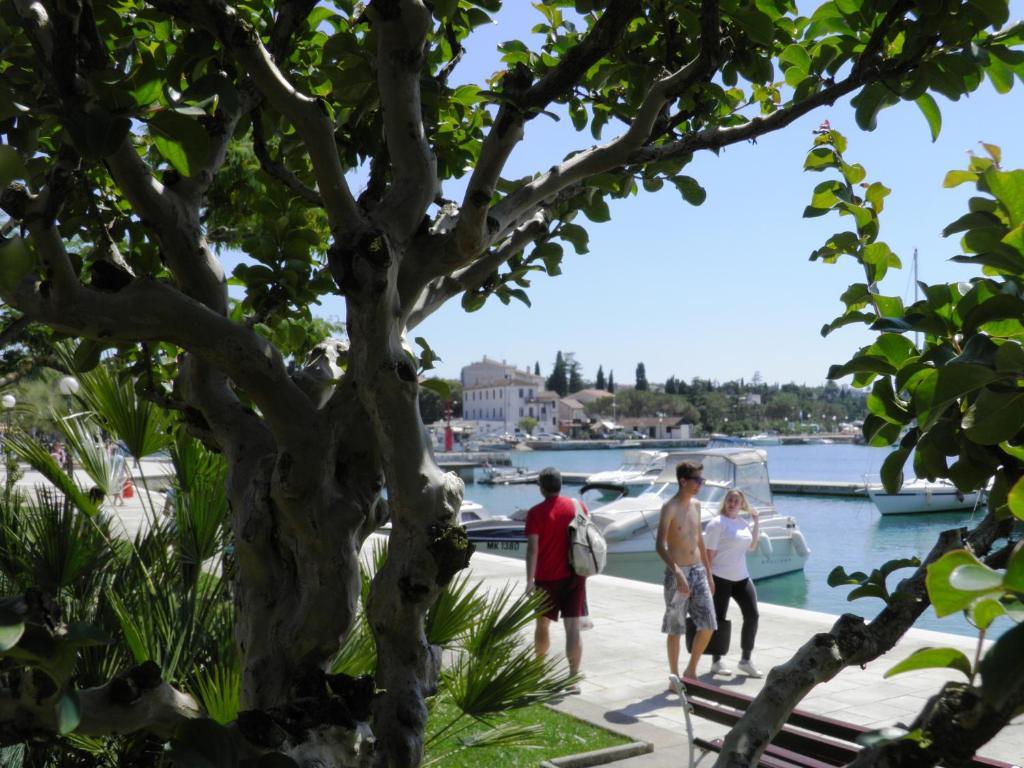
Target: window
x=520 y=393
x=520 y=412
x=531 y=411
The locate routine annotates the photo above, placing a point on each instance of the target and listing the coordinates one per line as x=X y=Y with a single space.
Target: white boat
x=639 y=470
x=922 y=496
x=630 y=524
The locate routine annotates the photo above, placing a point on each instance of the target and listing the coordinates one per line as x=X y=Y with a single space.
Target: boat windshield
x=721 y=473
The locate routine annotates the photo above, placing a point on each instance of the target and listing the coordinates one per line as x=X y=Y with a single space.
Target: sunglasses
x=698 y=480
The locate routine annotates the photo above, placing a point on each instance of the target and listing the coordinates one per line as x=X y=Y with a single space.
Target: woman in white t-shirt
x=727 y=539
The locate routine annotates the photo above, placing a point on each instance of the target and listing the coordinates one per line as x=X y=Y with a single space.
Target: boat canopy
x=742 y=468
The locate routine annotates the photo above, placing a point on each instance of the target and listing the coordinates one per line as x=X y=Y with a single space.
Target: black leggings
x=745 y=595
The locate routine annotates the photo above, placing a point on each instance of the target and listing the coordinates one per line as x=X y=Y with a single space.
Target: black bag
x=718 y=645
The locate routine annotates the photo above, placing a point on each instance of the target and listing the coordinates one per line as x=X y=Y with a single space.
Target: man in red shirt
x=547 y=567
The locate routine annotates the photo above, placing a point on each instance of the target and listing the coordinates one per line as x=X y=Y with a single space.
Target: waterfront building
x=496 y=395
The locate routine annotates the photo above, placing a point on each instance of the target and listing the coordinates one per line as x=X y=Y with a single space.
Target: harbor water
x=845 y=531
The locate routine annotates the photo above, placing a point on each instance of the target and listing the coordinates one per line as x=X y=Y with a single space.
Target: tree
x=670 y=385
x=611 y=381
x=536 y=369
x=953 y=396
x=139 y=143
x=575 y=380
x=641 y=378
x=527 y=424
x=558 y=381
x=599 y=379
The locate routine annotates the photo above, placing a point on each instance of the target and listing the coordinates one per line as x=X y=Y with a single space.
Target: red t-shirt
x=549 y=521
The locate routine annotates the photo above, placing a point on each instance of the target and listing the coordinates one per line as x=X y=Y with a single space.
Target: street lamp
x=9 y=401
x=68 y=386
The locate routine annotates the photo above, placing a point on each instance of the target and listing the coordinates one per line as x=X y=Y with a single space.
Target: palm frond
x=89 y=452
x=358 y=655
x=139 y=424
x=500 y=679
x=456 y=611
x=60 y=545
x=36 y=456
x=504 y=735
x=219 y=689
x=200 y=514
x=502 y=619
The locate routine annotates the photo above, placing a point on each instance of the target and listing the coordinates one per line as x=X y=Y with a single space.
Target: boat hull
x=633 y=559
x=916 y=501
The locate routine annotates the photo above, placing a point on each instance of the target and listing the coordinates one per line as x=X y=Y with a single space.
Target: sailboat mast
x=917 y=336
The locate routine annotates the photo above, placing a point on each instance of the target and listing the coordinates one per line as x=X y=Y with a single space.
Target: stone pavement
x=626 y=672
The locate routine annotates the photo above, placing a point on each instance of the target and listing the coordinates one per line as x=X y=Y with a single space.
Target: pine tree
x=599 y=381
x=641 y=378
x=611 y=381
x=575 y=380
x=670 y=385
x=536 y=369
x=557 y=380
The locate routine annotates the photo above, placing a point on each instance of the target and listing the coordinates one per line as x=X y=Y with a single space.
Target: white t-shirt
x=731 y=539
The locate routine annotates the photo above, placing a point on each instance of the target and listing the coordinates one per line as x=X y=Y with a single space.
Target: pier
x=819 y=488
x=625 y=674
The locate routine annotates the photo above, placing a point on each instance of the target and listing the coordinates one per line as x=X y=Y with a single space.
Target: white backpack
x=588 y=551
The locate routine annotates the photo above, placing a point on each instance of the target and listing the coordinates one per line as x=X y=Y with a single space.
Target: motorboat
x=718 y=440
x=630 y=524
x=919 y=495
x=640 y=468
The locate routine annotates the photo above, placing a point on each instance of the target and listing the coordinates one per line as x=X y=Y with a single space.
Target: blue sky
x=726 y=289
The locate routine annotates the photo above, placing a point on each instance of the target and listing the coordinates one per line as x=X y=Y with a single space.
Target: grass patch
x=559 y=735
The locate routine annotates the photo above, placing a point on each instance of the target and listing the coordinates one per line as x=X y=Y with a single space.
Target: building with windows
x=496 y=395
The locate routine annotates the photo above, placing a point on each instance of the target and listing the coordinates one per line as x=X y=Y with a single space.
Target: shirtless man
x=687 y=585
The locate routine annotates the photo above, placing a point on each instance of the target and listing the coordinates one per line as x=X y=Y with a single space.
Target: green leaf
x=985 y=611
x=994 y=417
x=182 y=141
x=438 y=386
x=87 y=355
x=975 y=578
x=931 y=113
x=10 y=634
x=11 y=166
x=692 y=192
x=1014 y=577
x=1008 y=188
x=16 y=261
x=68 y=713
x=892 y=470
x=576 y=235
x=1002 y=674
x=946 y=598
x=956 y=178
x=796 y=56
x=933 y=658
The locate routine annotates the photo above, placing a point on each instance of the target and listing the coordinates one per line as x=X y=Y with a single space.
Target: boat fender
x=764 y=546
x=800 y=544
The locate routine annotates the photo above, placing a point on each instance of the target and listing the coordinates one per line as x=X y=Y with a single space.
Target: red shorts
x=567 y=597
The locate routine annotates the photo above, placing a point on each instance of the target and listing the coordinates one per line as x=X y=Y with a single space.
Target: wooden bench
x=806 y=740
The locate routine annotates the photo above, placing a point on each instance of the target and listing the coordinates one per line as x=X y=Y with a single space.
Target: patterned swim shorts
x=699 y=603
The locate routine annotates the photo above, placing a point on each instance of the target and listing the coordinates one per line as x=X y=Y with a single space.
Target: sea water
x=846 y=531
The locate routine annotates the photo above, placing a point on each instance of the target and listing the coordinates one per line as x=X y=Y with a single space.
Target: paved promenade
x=626 y=674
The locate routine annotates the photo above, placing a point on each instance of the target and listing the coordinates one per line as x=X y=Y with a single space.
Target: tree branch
x=402 y=27
x=148 y=310
x=277 y=170
x=618 y=152
x=958 y=721
x=850 y=642
x=471 y=234
x=307 y=114
x=441 y=290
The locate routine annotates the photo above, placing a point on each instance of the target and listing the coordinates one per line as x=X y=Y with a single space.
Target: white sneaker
x=720 y=668
x=748 y=669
